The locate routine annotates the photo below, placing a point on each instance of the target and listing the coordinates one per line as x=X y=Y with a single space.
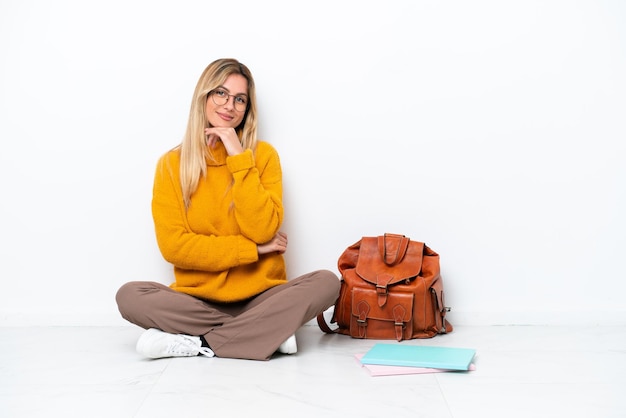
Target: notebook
x=379 y=370
x=451 y=358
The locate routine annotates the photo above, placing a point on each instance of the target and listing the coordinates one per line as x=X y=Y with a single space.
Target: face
x=235 y=88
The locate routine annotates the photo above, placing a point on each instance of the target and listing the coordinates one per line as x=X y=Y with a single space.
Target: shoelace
x=206 y=351
x=184 y=344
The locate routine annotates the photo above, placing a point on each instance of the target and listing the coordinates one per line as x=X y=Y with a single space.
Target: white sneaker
x=289 y=346
x=155 y=343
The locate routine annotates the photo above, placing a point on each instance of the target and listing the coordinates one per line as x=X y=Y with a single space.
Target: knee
x=125 y=295
x=328 y=275
x=331 y=282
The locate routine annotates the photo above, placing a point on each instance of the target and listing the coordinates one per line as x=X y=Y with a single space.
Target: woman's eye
x=240 y=99
x=220 y=93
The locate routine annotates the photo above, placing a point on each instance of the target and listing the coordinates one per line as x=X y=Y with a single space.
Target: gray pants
x=252 y=329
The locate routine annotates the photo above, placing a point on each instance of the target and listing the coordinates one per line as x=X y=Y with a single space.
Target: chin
x=222 y=124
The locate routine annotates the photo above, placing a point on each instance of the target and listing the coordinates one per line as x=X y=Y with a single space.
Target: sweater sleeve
x=257 y=192
x=181 y=246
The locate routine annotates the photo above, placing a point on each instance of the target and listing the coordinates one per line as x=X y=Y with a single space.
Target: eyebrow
x=225 y=89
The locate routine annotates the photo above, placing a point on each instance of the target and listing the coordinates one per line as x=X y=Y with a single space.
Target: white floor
x=520 y=372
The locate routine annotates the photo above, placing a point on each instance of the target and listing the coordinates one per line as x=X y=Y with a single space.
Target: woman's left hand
x=277 y=244
x=228 y=136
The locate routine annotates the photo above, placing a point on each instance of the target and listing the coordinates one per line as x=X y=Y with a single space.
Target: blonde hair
x=193 y=149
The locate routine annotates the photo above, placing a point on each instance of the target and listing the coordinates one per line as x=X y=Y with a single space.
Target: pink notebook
x=378 y=370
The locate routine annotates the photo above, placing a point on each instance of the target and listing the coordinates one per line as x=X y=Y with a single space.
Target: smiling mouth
x=225 y=116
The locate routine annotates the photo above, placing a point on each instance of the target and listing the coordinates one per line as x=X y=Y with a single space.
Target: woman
x=217 y=210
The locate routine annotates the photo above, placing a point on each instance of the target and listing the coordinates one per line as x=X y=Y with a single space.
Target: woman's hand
x=277 y=244
x=228 y=136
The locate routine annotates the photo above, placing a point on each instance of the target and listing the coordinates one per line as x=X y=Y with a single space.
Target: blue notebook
x=420 y=356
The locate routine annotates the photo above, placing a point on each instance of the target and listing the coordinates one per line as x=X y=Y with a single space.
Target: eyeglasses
x=221 y=97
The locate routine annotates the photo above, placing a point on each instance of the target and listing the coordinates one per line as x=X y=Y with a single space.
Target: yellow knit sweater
x=213 y=244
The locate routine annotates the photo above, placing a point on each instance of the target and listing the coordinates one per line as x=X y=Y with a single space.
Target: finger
x=211 y=139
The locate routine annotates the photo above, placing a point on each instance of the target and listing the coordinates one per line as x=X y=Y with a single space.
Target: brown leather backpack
x=391 y=288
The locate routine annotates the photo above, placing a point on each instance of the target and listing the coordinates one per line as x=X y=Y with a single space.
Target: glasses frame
x=236 y=104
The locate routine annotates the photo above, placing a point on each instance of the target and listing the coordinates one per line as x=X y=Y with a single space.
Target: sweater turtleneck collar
x=218 y=154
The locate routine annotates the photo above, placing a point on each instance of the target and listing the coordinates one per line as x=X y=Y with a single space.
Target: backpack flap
x=388 y=259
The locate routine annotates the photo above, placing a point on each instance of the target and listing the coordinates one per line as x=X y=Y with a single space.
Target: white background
x=493 y=131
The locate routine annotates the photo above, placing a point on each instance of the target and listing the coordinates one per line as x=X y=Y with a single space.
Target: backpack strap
x=386 y=251
x=321 y=322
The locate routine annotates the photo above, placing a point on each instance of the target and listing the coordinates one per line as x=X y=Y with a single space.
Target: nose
x=230 y=104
